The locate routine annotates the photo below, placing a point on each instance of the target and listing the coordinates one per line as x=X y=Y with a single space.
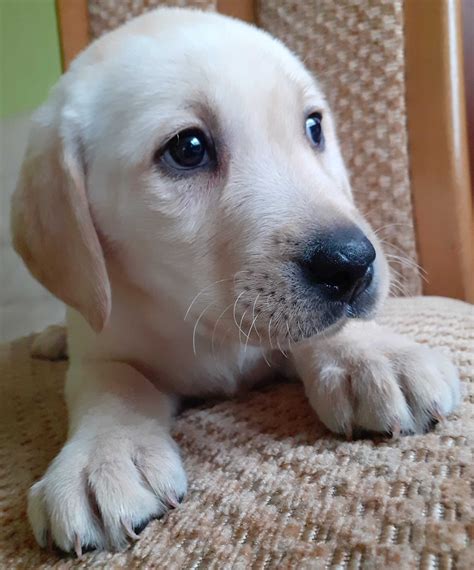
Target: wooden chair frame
x=438 y=146
x=436 y=118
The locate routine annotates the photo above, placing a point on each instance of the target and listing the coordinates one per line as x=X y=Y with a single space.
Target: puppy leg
x=119 y=467
x=368 y=378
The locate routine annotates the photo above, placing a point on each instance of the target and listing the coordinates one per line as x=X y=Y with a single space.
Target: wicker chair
x=269 y=487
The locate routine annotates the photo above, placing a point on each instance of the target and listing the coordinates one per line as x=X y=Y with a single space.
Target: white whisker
x=254 y=318
x=280 y=348
x=240 y=326
x=399 y=284
x=196 y=325
x=403 y=256
x=376 y=232
x=224 y=336
x=408 y=263
x=233 y=278
x=235 y=315
x=300 y=329
x=203 y=291
x=216 y=323
x=269 y=333
x=397 y=287
x=290 y=335
x=263 y=353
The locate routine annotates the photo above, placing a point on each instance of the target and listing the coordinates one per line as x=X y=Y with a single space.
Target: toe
x=37 y=514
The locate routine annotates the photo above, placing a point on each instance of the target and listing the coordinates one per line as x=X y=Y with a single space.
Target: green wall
x=30 y=60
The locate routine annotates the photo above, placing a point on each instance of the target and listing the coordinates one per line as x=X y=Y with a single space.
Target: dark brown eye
x=314 y=130
x=188 y=150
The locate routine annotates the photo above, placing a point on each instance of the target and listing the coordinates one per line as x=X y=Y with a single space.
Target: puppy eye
x=314 y=130
x=188 y=150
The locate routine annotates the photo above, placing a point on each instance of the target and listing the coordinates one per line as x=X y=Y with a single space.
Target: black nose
x=341 y=262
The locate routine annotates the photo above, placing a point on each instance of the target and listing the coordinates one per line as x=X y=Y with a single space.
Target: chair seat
x=269 y=486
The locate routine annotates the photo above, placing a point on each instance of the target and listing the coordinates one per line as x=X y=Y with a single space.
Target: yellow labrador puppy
x=184 y=194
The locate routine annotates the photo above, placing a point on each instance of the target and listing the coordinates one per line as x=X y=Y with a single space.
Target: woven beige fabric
x=356 y=50
x=269 y=487
x=105 y=15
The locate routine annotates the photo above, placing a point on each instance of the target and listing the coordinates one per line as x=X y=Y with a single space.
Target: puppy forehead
x=204 y=58
x=210 y=62
x=161 y=73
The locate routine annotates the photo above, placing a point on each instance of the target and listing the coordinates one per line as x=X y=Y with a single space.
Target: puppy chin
x=336 y=314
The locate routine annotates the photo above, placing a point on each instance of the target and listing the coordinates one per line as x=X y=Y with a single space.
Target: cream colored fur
x=177 y=286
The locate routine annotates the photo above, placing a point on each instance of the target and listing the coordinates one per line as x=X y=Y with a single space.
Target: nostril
x=344 y=282
x=342 y=264
x=341 y=280
x=363 y=282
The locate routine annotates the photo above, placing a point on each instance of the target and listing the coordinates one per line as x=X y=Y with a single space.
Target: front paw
x=97 y=494
x=373 y=380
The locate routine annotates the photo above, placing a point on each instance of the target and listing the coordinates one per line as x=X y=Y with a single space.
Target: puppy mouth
x=279 y=311
x=314 y=287
x=329 y=315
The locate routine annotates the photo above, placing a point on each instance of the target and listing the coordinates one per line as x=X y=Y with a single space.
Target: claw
x=438 y=415
x=396 y=429
x=77 y=546
x=172 y=501
x=129 y=531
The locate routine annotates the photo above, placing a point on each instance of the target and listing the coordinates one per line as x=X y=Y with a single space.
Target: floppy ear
x=52 y=227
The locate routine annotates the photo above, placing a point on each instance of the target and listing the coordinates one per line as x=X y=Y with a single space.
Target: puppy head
x=200 y=152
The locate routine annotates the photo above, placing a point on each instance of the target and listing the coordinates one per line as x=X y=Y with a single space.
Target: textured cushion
x=269 y=487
